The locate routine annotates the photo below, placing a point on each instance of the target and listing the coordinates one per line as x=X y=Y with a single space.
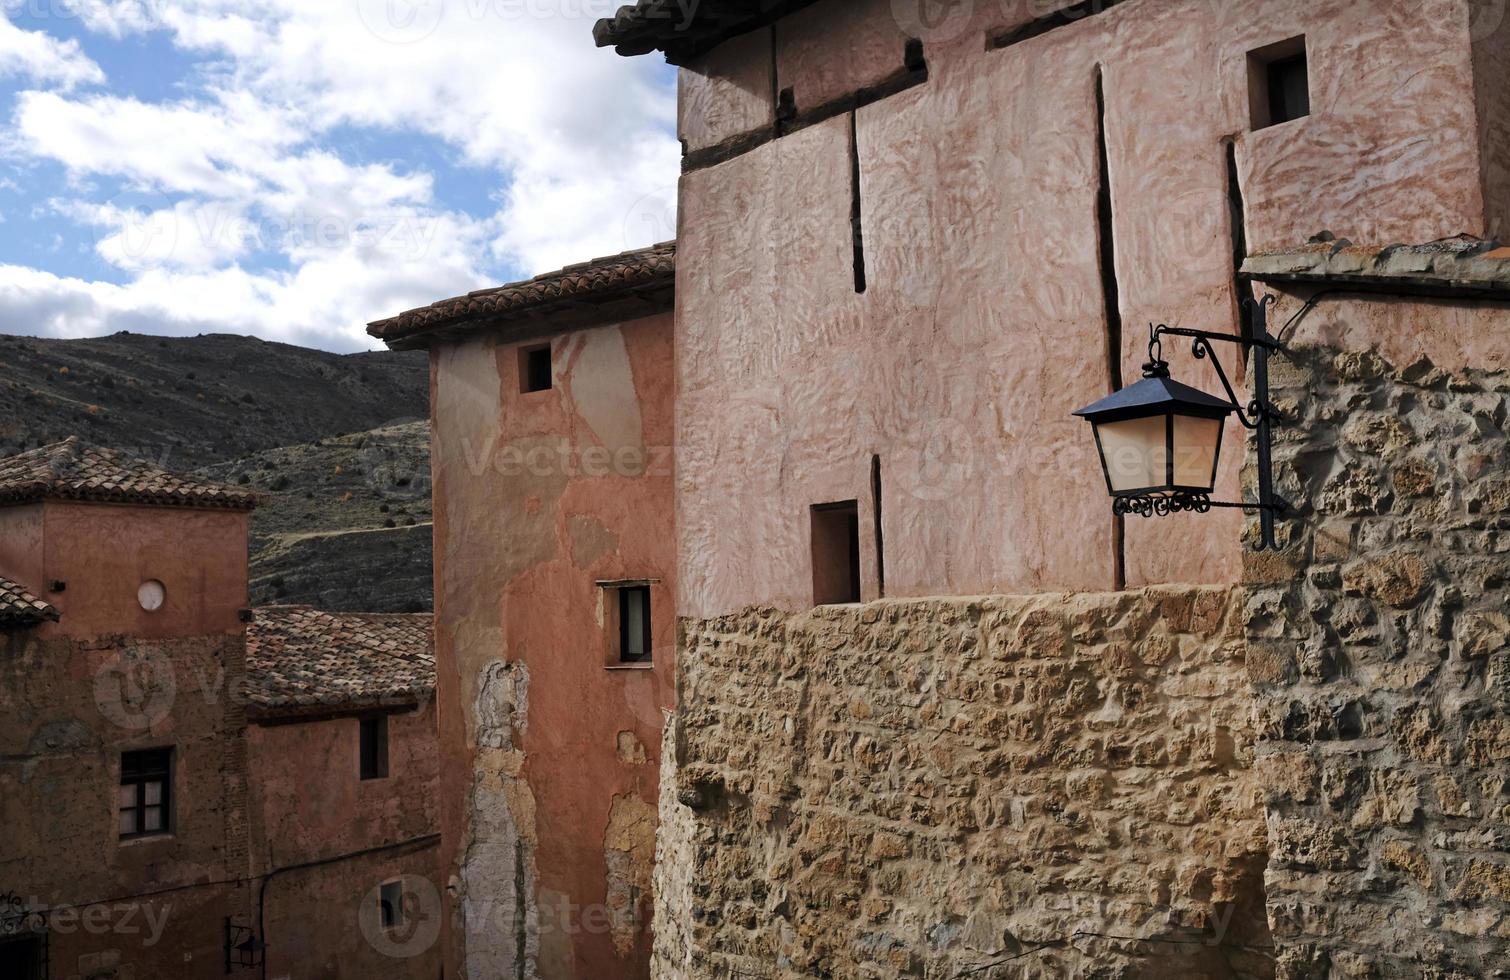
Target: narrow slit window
x=535 y=369
x=391 y=905
x=634 y=624
x=373 y=746
x=1279 y=83
x=146 y=793
x=836 y=553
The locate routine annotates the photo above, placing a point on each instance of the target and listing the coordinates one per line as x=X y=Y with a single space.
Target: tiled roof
x=69 y=470
x=619 y=287
x=301 y=661
x=683 y=31
x=19 y=607
x=1463 y=265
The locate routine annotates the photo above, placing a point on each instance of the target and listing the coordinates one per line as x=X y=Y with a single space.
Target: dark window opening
x=836 y=553
x=535 y=369
x=373 y=747
x=146 y=794
x=391 y=905
x=23 y=958
x=634 y=624
x=1279 y=83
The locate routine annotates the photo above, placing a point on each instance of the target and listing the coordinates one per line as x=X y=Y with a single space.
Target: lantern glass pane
x=1135 y=451
x=1195 y=446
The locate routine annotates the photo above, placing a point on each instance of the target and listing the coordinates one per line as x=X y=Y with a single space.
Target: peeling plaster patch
x=503 y=704
x=590 y=540
x=631 y=749
x=498 y=874
x=629 y=851
x=602 y=389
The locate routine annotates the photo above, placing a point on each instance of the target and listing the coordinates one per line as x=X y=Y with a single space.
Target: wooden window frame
x=141 y=768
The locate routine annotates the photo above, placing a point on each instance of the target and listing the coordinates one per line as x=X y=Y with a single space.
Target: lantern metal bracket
x=1259 y=416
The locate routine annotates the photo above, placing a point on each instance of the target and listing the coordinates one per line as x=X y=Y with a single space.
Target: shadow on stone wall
x=1380 y=643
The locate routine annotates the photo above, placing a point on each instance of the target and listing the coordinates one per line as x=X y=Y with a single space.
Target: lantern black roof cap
x=1153 y=395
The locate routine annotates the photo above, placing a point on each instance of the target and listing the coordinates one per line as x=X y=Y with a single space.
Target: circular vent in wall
x=151 y=595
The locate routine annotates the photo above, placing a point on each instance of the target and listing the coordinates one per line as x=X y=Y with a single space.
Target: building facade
x=554 y=611
x=913 y=239
x=124 y=773
x=344 y=798
x=187 y=795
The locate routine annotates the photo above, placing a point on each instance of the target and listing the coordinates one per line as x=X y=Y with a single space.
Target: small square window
x=535 y=368
x=373 y=738
x=391 y=905
x=836 y=553
x=634 y=624
x=1279 y=83
x=144 y=802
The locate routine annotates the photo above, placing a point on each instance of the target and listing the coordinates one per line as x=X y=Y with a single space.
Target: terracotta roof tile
x=19 y=607
x=622 y=286
x=300 y=660
x=683 y=32
x=69 y=470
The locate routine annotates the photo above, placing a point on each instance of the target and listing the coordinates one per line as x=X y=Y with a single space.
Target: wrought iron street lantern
x=1160 y=441
x=243 y=950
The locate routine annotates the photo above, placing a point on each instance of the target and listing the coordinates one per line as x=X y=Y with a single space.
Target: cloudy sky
x=295 y=168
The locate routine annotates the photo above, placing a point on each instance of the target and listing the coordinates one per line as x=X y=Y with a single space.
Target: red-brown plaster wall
x=110 y=678
x=104 y=552
x=551 y=754
x=21 y=547
x=72 y=707
x=309 y=804
x=983 y=322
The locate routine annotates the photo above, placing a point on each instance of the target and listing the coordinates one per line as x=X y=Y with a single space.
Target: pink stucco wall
x=983 y=323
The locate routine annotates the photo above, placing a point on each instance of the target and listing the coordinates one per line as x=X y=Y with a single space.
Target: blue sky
x=293 y=170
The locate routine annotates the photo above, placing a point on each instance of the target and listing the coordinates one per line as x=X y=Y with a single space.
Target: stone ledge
x=1453 y=266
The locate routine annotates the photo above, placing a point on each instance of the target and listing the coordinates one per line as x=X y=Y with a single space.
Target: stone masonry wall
x=1048 y=785
x=1379 y=641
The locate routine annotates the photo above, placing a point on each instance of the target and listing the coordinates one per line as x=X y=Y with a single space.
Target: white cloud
x=44 y=58
x=574 y=145
x=516 y=85
x=324 y=302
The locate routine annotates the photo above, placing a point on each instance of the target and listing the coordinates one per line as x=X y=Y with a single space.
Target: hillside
x=187 y=402
x=337 y=442
x=346 y=523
